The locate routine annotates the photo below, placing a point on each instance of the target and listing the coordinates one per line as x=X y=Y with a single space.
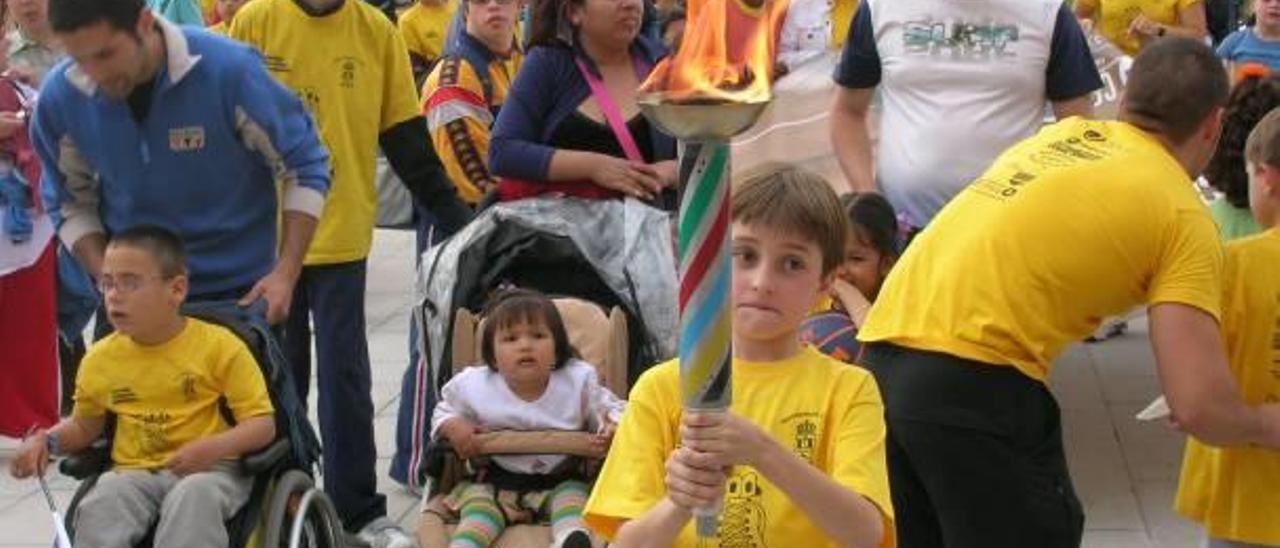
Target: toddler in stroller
x=532 y=382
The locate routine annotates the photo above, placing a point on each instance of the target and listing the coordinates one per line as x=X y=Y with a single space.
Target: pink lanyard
x=611 y=113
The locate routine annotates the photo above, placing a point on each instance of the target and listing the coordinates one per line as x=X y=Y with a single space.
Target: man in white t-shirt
x=960 y=81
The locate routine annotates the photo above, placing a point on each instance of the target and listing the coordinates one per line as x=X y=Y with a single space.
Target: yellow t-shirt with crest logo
x=825 y=411
x=1234 y=492
x=167 y=395
x=1083 y=221
x=351 y=69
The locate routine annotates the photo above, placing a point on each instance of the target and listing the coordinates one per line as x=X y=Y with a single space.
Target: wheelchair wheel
x=296 y=500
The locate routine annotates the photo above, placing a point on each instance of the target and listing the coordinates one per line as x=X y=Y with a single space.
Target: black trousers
x=975 y=454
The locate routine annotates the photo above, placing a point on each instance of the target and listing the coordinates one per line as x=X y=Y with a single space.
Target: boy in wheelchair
x=167 y=379
x=532 y=382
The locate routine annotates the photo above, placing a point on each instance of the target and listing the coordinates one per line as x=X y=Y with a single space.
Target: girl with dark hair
x=532 y=382
x=1252 y=98
x=870 y=252
x=571 y=124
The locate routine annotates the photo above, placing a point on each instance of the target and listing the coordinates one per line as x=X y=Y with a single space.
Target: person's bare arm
x=637 y=180
x=277 y=286
x=1198 y=385
x=657 y=528
x=850 y=137
x=74 y=435
x=1081 y=106
x=729 y=440
x=1192 y=23
x=246 y=437
x=88 y=251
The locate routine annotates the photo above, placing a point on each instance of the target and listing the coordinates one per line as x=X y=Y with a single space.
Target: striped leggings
x=481 y=519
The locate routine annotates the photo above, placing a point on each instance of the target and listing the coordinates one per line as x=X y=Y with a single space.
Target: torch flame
x=727 y=54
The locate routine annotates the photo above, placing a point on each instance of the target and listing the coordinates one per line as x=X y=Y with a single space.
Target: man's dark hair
x=160 y=243
x=1174 y=84
x=72 y=15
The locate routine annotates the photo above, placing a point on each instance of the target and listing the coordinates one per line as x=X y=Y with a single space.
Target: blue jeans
x=332 y=298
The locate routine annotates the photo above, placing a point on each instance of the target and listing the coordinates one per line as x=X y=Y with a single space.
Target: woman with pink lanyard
x=571 y=125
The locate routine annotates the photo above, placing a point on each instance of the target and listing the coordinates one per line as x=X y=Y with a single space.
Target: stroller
x=284 y=507
x=614 y=253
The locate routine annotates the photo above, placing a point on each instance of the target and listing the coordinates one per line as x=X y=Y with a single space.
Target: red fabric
x=29 y=339
x=515 y=189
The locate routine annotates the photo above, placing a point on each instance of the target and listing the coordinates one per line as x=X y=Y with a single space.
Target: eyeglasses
x=125 y=284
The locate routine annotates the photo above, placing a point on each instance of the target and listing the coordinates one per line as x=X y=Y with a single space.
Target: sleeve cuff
x=75 y=228
x=301 y=199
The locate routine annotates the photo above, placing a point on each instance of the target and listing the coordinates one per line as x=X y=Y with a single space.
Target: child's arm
x=449 y=420
x=729 y=440
x=246 y=437
x=852 y=300
x=692 y=481
x=73 y=434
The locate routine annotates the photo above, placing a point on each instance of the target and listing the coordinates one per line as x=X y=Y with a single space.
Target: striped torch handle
x=705 y=272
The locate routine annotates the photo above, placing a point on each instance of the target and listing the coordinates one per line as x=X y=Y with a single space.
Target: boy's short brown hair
x=797 y=202
x=1263 y=146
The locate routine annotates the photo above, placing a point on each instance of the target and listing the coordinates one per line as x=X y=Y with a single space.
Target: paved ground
x=1125 y=471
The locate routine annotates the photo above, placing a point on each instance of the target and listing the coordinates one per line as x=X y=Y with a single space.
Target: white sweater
x=574 y=401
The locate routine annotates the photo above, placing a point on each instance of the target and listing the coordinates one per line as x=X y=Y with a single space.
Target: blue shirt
x=1243 y=46
x=204 y=162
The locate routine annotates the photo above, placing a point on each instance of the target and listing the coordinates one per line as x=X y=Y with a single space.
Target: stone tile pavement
x=1125 y=471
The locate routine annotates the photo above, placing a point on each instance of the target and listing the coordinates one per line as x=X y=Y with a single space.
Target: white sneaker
x=572 y=538
x=384 y=533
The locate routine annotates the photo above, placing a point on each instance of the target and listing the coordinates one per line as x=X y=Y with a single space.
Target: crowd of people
x=893 y=332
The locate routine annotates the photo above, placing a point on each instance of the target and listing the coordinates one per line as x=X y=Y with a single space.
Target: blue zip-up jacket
x=204 y=162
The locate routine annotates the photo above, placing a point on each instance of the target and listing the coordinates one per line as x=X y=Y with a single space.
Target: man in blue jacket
x=151 y=123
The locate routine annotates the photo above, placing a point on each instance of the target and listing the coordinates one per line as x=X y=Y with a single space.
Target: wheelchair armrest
x=92 y=461
x=556 y=442
x=254 y=464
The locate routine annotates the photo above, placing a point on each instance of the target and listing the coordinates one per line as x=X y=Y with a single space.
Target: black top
x=578 y=132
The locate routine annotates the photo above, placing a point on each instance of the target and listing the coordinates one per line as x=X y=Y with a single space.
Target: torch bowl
x=699 y=119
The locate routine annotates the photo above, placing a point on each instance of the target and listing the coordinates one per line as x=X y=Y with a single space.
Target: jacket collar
x=178 y=57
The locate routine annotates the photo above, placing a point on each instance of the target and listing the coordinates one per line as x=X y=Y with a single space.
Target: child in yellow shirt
x=870 y=251
x=1233 y=491
x=165 y=377
x=799 y=458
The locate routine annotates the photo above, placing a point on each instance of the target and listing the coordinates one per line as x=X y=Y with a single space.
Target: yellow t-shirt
x=218 y=28
x=1080 y=222
x=460 y=121
x=1235 y=492
x=423 y=27
x=351 y=69
x=827 y=412
x=167 y=395
x=1113 y=17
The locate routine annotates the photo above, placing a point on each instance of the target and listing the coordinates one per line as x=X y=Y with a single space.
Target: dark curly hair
x=1251 y=99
